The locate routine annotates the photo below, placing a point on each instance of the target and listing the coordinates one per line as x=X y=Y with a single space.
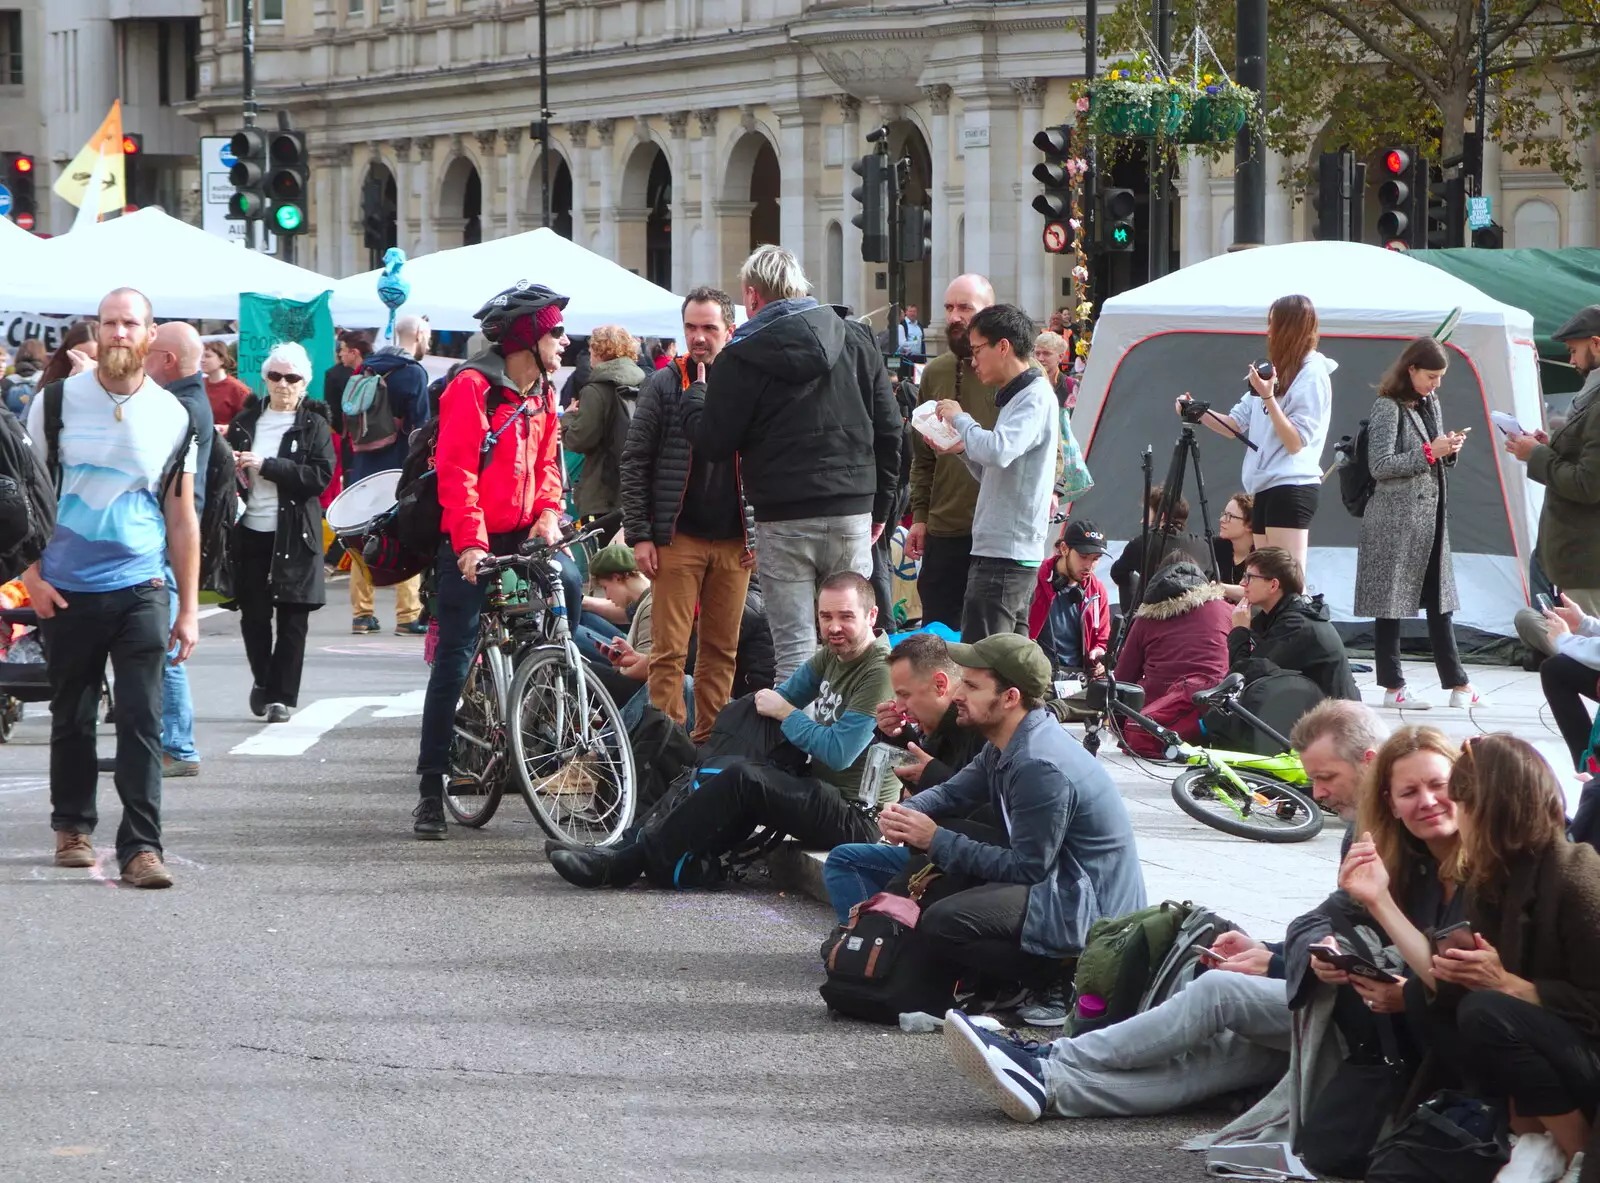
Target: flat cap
x=1582 y=326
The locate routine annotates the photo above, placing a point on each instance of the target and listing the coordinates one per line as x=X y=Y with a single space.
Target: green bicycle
x=1240 y=793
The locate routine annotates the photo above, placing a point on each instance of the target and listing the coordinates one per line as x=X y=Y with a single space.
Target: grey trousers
x=793 y=557
x=1225 y=1032
x=998 y=594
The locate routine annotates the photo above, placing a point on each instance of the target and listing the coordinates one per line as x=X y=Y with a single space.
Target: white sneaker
x=1535 y=1158
x=1405 y=700
x=1468 y=698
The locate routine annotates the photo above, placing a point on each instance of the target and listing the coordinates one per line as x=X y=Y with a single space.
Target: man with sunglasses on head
x=490 y=504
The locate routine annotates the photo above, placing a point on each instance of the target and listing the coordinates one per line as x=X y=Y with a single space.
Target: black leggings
x=1567 y=682
x=275 y=663
x=1441 y=636
x=1536 y=1059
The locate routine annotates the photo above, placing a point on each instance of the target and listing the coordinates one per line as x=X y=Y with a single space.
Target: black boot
x=430 y=823
x=595 y=866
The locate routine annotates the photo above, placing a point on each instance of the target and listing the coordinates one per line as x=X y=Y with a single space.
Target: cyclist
x=491 y=504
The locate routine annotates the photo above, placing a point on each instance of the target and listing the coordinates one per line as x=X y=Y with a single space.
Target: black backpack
x=27 y=500
x=662 y=750
x=417 y=523
x=879 y=969
x=1356 y=484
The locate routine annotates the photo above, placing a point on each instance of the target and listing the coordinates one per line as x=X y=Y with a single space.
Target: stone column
x=800 y=150
x=1280 y=209
x=678 y=128
x=941 y=269
x=404 y=234
x=710 y=230
x=1196 y=247
x=578 y=134
x=488 y=218
x=989 y=109
x=1033 y=263
x=605 y=159
x=1581 y=204
x=347 y=208
x=512 y=166
x=850 y=139
x=427 y=238
x=328 y=219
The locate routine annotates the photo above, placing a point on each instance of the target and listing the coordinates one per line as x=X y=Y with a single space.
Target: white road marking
x=211 y=611
x=310 y=724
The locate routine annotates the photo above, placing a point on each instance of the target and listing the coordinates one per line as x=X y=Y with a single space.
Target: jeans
x=998 y=594
x=1528 y=1054
x=794 y=557
x=588 y=634
x=275 y=663
x=883 y=580
x=1567 y=682
x=458 y=606
x=177 y=707
x=130 y=628
x=633 y=710
x=1222 y=1033
x=696 y=571
x=942 y=579
x=858 y=871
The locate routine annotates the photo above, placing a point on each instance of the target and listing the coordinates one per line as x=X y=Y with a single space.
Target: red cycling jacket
x=522 y=476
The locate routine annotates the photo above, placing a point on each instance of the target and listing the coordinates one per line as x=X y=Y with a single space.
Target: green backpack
x=1121 y=957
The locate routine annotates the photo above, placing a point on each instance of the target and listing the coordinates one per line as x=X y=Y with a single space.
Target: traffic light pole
x=1160 y=169
x=544 y=120
x=897 y=279
x=1250 y=167
x=247 y=19
x=1483 y=97
x=1091 y=172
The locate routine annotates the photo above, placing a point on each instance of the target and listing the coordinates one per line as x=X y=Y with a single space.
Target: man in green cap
x=1071 y=858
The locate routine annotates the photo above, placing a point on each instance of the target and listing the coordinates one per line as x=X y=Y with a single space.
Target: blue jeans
x=860 y=870
x=633 y=710
x=177 y=708
x=589 y=632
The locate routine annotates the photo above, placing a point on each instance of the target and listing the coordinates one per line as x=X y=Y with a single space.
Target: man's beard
x=121 y=361
x=956 y=335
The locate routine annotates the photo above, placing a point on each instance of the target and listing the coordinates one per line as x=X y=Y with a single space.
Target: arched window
x=1536 y=226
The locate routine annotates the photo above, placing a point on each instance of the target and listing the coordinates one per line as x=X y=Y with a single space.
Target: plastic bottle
x=1091 y=1007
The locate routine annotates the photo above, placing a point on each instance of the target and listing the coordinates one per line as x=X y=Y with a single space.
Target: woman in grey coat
x=1404 y=560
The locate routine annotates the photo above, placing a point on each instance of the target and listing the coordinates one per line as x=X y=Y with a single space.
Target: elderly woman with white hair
x=283 y=449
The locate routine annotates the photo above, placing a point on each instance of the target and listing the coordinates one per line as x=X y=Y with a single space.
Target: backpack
x=662 y=750
x=368 y=415
x=218 y=517
x=27 y=500
x=1450 y=1138
x=1120 y=959
x=1182 y=964
x=1356 y=483
x=879 y=967
x=417 y=523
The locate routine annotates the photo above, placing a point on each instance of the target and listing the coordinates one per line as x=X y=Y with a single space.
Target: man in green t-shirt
x=843 y=682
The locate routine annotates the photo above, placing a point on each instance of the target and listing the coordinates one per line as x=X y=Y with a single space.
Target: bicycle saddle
x=1226 y=688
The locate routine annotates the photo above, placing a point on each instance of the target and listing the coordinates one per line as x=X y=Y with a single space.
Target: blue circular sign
x=228 y=158
x=5 y=201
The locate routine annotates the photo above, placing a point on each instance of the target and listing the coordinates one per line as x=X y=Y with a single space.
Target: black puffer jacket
x=656 y=460
x=301 y=470
x=803 y=397
x=1296 y=635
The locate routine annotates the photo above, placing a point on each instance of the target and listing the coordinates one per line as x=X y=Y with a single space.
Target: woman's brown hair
x=1246 y=504
x=224 y=354
x=1397 y=847
x=1292 y=333
x=60 y=365
x=1422 y=354
x=1513 y=804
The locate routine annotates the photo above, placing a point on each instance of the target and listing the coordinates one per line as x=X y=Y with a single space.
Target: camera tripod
x=1153 y=547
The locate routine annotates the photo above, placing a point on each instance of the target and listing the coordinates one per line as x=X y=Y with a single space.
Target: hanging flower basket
x=1126 y=105
x=1219 y=113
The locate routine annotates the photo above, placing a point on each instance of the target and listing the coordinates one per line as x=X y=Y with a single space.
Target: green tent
x=1551 y=285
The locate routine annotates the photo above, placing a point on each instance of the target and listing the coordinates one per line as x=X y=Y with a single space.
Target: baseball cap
x=615 y=559
x=1582 y=326
x=1082 y=537
x=1011 y=656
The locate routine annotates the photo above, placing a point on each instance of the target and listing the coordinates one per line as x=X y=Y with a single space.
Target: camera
x=1263 y=371
x=1193 y=411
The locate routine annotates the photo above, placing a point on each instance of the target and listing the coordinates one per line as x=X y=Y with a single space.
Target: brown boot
x=146 y=869
x=73 y=850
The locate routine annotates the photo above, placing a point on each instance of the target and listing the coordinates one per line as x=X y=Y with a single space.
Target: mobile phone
x=1328 y=956
x=1210 y=956
x=1544 y=602
x=1457 y=936
x=1359 y=967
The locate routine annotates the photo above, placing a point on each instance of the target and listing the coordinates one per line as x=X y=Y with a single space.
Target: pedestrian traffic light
x=248 y=175
x=1447 y=213
x=132 y=153
x=916 y=233
x=1119 y=205
x=19 y=178
x=1397 y=199
x=873 y=196
x=1336 y=173
x=1055 y=203
x=287 y=182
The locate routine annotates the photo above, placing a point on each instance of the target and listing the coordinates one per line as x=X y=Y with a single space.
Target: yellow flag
x=105 y=149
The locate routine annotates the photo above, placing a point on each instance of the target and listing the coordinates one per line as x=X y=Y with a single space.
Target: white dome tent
x=1199 y=328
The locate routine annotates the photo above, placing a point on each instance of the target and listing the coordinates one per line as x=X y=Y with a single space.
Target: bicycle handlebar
x=537 y=548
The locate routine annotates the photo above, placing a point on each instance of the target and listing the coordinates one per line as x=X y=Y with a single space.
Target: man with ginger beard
x=943 y=493
x=123 y=456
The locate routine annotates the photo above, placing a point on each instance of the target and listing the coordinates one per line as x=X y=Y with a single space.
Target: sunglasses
x=558 y=332
x=291 y=379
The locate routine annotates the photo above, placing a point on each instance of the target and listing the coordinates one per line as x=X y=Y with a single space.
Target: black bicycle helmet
x=519 y=300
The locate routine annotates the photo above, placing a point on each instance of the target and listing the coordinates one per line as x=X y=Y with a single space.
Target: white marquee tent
x=18 y=248
x=1199 y=328
x=185 y=271
x=449 y=286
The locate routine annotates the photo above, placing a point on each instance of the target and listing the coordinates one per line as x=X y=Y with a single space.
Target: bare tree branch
x=1378 y=45
x=1424 y=26
x=1514 y=25
x=1576 y=55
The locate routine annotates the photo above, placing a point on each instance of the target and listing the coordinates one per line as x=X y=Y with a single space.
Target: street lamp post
x=544 y=119
x=1250 y=165
x=247 y=19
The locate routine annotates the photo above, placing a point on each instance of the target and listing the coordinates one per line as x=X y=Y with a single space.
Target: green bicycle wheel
x=1274 y=812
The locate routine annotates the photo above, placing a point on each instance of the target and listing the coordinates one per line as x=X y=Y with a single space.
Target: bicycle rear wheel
x=573 y=761
x=477 y=778
x=1274 y=811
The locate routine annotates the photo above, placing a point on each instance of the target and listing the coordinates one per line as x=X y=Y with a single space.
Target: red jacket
x=522 y=477
x=1177 y=644
x=1096 y=609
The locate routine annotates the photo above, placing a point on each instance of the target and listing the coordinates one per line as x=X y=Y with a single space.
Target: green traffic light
x=1119 y=235
x=288 y=217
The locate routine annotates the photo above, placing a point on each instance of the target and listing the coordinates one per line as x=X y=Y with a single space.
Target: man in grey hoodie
x=1015 y=467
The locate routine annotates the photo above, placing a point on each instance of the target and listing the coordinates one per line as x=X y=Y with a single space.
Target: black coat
x=803 y=398
x=1296 y=635
x=301 y=470
x=656 y=460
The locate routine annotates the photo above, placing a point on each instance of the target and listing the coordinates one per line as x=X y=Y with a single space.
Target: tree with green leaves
x=1363 y=74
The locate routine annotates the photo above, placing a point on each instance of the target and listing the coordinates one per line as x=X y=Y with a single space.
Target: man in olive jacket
x=1567 y=464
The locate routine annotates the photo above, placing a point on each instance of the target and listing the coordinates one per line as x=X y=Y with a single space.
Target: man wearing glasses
x=1277 y=627
x=1015 y=467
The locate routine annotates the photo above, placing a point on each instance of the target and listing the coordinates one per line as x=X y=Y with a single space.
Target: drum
x=358 y=509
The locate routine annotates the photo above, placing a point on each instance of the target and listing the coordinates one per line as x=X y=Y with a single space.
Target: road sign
x=228 y=158
x=25 y=220
x=1055 y=237
x=5 y=201
x=216 y=189
x=1478 y=216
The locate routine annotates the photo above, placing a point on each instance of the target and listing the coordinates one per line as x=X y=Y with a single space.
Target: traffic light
x=19 y=178
x=1055 y=203
x=287 y=182
x=132 y=153
x=873 y=196
x=1491 y=238
x=1336 y=176
x=1397 y=194
x=1119 y=205
x=248 y=175
x=1447 y=213
x=916 y=233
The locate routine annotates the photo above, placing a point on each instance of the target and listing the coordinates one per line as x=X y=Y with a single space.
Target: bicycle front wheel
x=573 y=761
x=1273 y=812
x=478 y=749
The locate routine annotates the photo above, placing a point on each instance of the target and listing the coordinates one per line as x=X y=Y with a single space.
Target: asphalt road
x=323 y=998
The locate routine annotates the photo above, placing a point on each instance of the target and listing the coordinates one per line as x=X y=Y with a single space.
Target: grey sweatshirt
x=1308 y=404
x=1015 y=467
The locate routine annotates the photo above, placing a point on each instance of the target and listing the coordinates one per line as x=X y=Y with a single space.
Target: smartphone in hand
x=1457 y=936
x=1544 y=603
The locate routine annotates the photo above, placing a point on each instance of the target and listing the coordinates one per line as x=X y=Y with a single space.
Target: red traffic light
x=1396 y=161
x=130 y=146
x=23 y=164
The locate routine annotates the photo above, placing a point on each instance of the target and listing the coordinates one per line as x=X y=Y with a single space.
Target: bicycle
x=530 y=706
x=1243 y=794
